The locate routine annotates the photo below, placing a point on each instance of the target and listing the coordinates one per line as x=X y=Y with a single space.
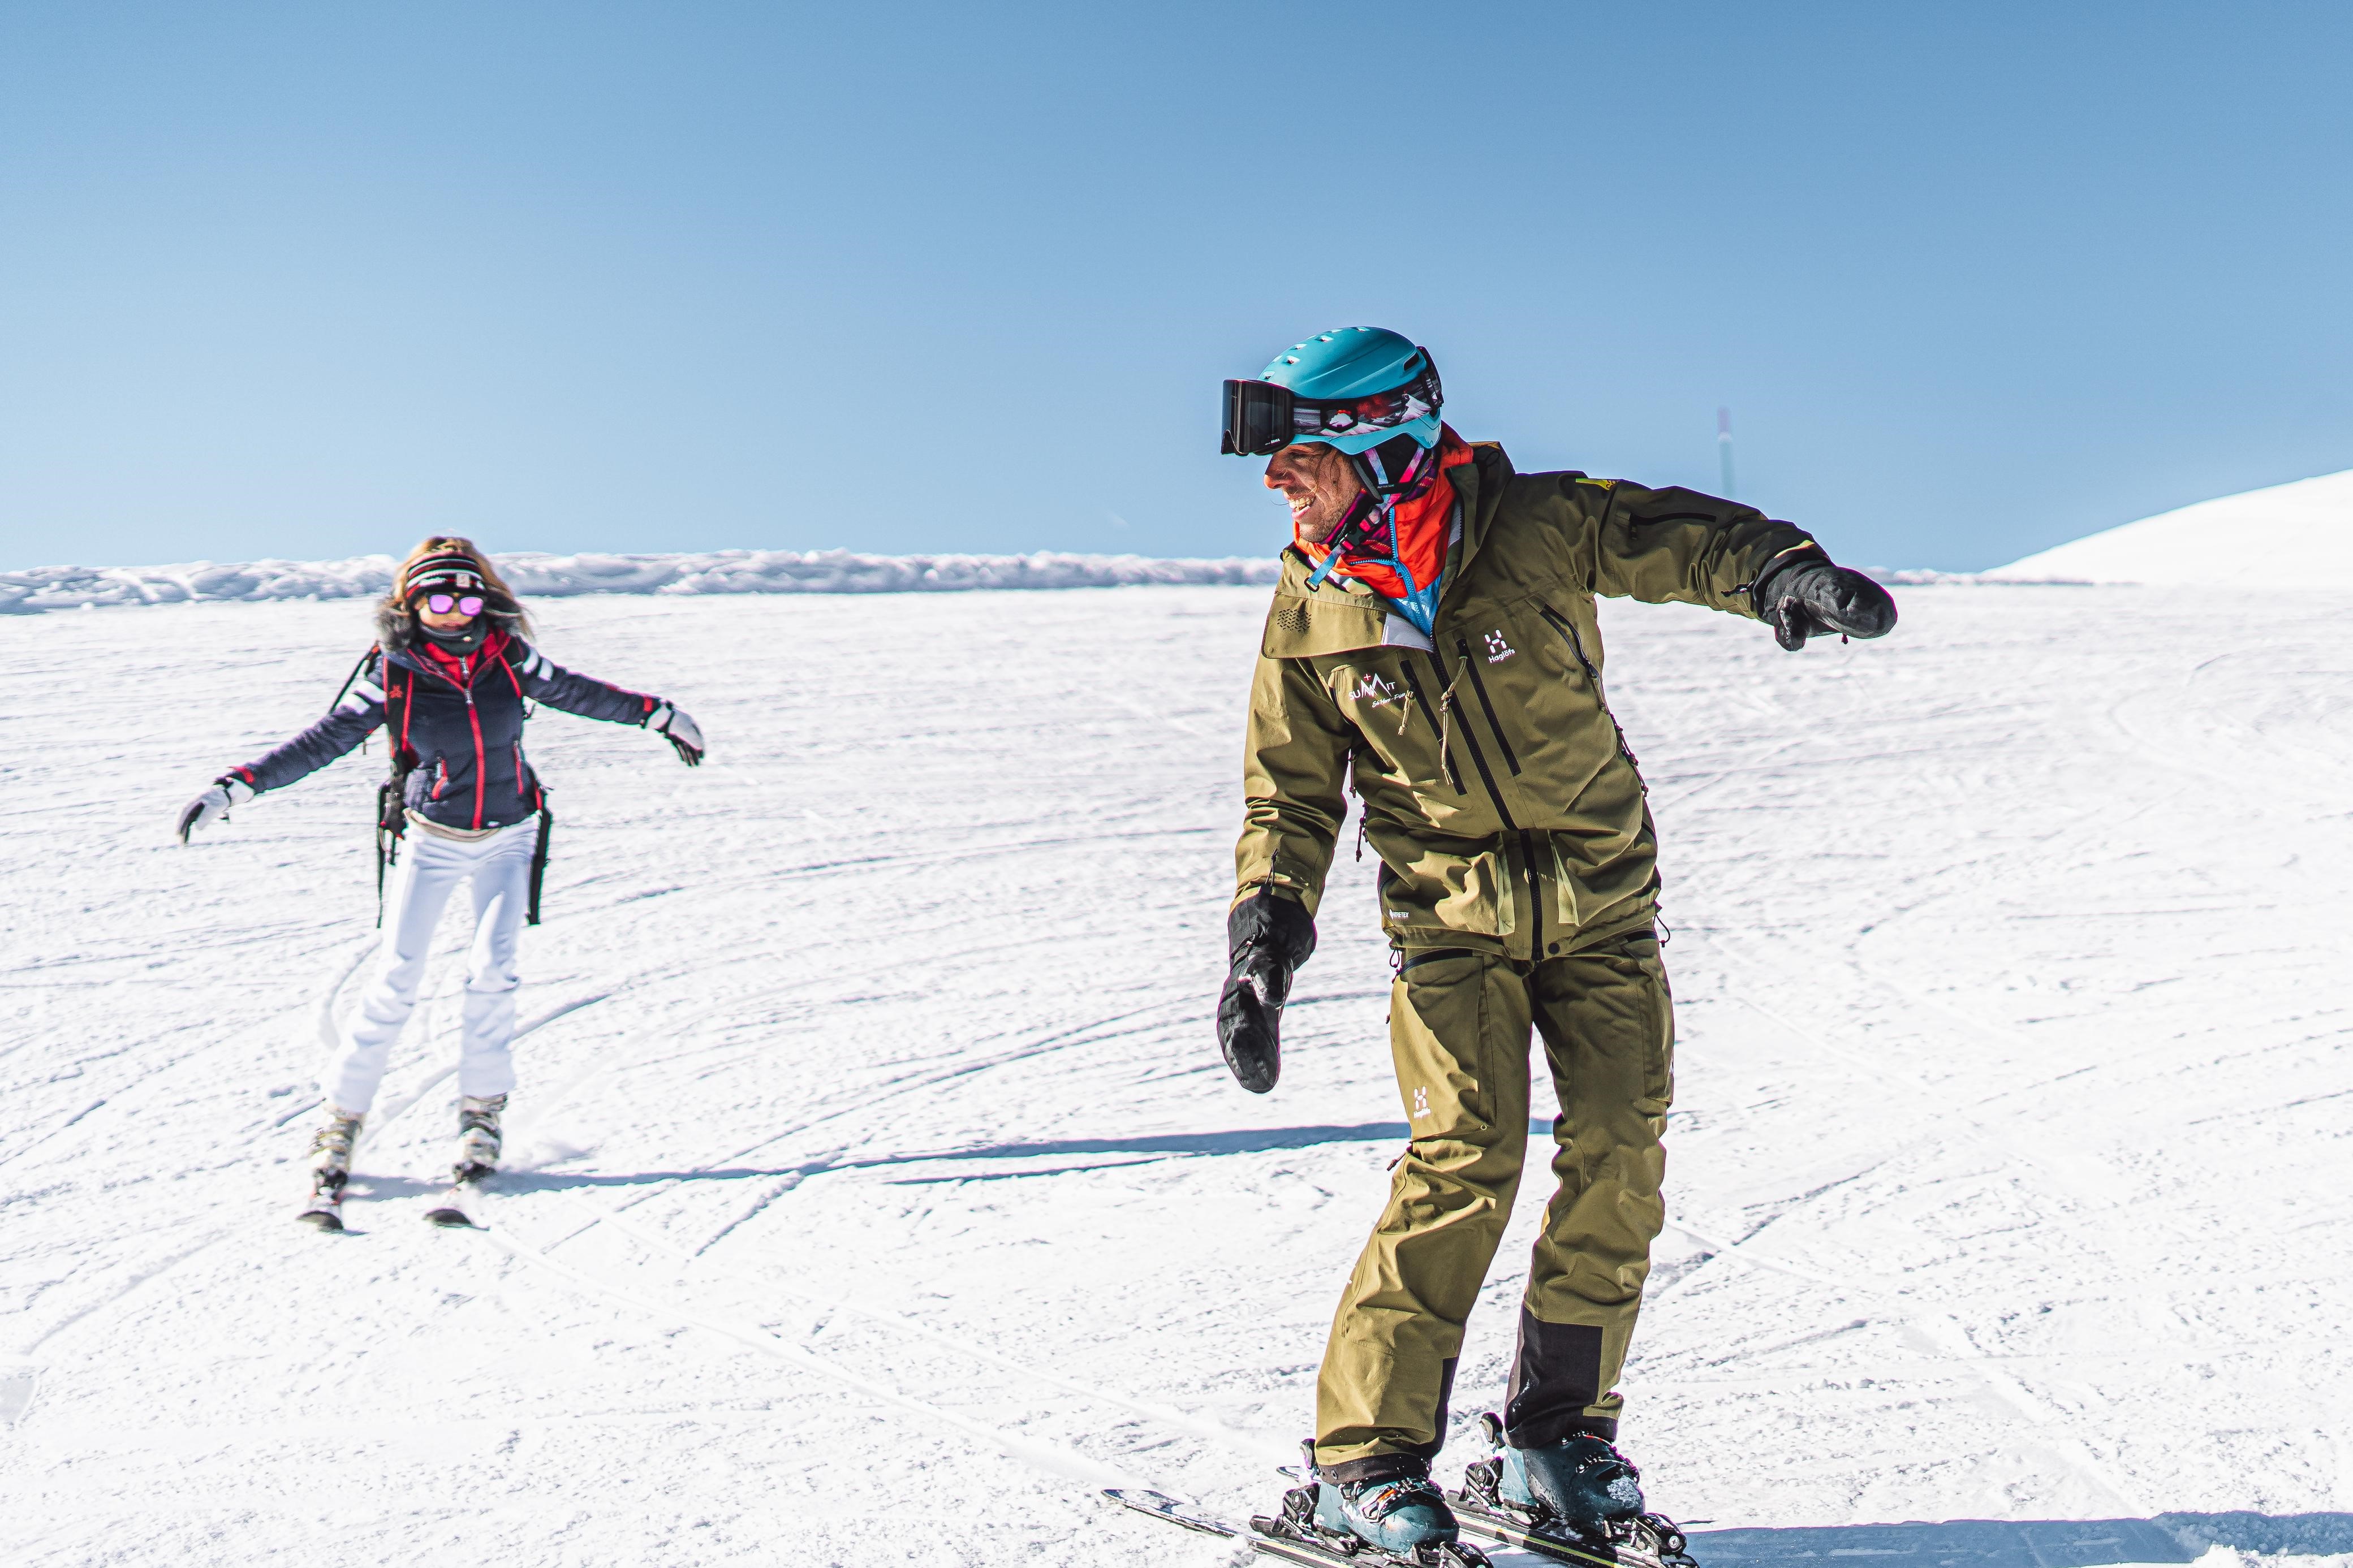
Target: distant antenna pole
x=1723 y=447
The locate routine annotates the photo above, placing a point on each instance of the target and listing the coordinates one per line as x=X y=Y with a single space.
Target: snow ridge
x=2297 y=535
x=542 y=575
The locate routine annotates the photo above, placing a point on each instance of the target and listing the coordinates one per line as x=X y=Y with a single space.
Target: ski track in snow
x=872 y=1143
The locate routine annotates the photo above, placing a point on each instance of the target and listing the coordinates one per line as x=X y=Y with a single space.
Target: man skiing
x=1432 y=647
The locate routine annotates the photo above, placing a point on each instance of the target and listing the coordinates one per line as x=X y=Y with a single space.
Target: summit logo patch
x=1375 y=692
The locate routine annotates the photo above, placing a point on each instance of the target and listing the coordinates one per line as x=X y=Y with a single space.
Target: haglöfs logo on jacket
x=1498 y=650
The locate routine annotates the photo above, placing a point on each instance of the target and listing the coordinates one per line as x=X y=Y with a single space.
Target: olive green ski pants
x=1459 y=1027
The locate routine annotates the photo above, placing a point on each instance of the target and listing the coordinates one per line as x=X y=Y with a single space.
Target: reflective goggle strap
x=1369 y=472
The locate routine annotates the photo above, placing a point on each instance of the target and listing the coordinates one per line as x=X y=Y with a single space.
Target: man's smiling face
x=1319 y=482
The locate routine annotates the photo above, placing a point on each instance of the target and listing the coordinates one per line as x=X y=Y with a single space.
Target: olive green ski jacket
x=1497 y=789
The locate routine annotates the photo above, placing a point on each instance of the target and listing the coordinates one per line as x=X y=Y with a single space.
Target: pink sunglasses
x=442 y=604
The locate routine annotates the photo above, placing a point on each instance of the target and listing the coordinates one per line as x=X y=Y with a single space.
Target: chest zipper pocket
x=1568 y=630
x=1479 y=687
x=1445 y=754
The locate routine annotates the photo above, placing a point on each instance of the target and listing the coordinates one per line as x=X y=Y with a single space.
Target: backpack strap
x=539 y=859
x=392 y=795
x=399 y=708
x=344 y=689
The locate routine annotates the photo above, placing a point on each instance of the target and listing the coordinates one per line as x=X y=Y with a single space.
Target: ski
x=1292 y=1535
x=1640 y=1543
x=325 y=1212
x=1176 y=1511
x=463 y=1200
x=325 y=1209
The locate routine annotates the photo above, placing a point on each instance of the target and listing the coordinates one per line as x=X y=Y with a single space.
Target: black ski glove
x=1266 y=937
x=1807 y=597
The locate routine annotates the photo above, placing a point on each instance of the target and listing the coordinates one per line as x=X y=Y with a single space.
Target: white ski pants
x=429 y=870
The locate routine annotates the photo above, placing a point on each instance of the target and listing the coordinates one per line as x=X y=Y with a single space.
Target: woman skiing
x=447 y=679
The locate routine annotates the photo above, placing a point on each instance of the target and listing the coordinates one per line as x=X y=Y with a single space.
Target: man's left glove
x=673 y=725
x=1266 y=937
x=1808 y=596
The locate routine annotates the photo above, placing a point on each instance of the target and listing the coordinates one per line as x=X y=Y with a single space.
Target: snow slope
x=2297 y=535
x=875 y=1150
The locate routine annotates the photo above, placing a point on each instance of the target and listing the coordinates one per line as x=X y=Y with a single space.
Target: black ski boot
x=1578 y=1501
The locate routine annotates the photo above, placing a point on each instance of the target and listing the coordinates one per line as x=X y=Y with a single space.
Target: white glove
x=212 y=805
x=674 y=726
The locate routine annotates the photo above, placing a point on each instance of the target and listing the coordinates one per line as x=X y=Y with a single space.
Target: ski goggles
x=464 y=603
x=1262 y=418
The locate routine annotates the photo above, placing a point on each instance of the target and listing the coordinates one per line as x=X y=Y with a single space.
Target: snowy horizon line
x=546 y=574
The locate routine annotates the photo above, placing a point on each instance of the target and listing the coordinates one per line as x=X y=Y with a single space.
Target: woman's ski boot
x=1403 y=1517
x=477 y=1156
x=331 y=1167
x=1578 y=1501
x=479 y=1140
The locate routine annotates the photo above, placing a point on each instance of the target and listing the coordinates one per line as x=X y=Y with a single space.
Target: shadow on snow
x=1118 y=1150
x=2029 y=1543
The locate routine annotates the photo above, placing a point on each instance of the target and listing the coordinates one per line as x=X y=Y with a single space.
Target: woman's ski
x=460 y=1207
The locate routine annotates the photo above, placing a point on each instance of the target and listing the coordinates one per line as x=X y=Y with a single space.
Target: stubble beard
x=1333 y=491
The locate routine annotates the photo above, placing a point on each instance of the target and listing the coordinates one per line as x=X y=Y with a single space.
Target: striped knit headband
x=451 y=572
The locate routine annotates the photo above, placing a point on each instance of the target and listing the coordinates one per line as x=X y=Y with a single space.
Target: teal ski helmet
x=1352 y=388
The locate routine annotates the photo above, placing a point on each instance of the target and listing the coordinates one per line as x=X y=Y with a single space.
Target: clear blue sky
x=310 y=279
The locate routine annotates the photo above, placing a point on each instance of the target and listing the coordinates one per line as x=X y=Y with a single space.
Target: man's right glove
x=1266 y=937
x=1807 y=597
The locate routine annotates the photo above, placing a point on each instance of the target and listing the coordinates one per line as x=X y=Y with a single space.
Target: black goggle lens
x=1262 y=418
x=1258 y=419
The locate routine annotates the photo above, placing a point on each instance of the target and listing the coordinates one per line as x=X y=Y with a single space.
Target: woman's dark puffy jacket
x=460 y=723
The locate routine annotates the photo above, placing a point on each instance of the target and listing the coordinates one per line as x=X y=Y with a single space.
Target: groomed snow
x=546 y=576
x=2297 y=535
x=878 y=1192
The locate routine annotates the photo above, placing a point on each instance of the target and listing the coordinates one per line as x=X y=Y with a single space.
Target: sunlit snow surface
x=2297 y=535
x=871 y=1064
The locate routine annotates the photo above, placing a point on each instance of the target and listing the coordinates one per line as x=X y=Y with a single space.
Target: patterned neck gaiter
x=1395 y=543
